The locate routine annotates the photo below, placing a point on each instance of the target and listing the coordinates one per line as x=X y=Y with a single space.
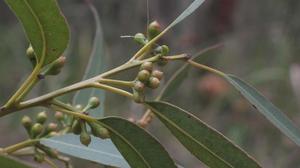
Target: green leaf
x=8 y=162
x=138 y=147
x=206 y=143
x=99 y=151
x=45 y=27
x=265 y=107
x=178 y=77
x=95 y=66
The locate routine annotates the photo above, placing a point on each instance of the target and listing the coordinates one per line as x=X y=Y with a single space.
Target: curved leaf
x=139 y=148
x=45 y=27
x=272 y=113
x=206 y=143
x=95 y=66
x=99 y=151
x=8 y=162
x=178 y=77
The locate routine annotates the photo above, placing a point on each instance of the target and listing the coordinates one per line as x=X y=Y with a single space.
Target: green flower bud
x=41 y=117
x=59 y=116
x=55 y=67
x=154 y=82
x=52 y=134
x=26 y=122
x=138 y=97
x=85 y=138
x=140 y=38
x=31 y=55
x=36 y=130
x=165 y=50
x=76 y=128
x=99 y=131
x=147 y=66
x=143 y=76
x=139 y=86
x=94 y=102
x=52 y=127
x=154 y=29
x=157 y=74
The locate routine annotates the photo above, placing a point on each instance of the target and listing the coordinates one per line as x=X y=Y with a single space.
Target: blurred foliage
x=261 y=42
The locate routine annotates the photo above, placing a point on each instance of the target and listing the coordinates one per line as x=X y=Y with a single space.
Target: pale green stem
x=207 y=68
x=21 y=145
x=117 y=82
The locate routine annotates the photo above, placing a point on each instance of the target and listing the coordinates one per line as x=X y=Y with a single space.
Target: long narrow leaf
x=45 y=27
x=206 y=143
x=139 y=148
x=265 y=107
x=95 y=66
x=99 y=151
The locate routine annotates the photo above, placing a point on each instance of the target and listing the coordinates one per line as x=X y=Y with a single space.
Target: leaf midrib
x=193 y=139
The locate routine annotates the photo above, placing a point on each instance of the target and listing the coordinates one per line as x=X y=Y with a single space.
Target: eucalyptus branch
x=117 y=82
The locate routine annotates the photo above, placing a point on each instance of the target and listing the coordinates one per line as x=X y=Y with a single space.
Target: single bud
x=165 y=50
x=36 y=129
x=154 y=29
x=139 y=86
x=76 y=128
x=157 y=74
x=99 y=131
x=140 y=38
x=94 y=102
x=31 y=55
x=59 y=116
x=85 y=138
x=41 y=117
x=52 y=127
x=138 y=97
x=52 y=134
x=143 y=76
x=147 y=66
x=55 y=67
x=27 y=122
x=154 y=82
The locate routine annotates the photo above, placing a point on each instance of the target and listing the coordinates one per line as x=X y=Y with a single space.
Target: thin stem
x=112 y=89
x=201 y=66
x=176 y=57
x=75 y=114
x=117 y=82
x=21 y=145
x=50 y=162
x=146 y=119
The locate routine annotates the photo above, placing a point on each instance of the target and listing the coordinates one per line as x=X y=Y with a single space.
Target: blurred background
x=261 y=45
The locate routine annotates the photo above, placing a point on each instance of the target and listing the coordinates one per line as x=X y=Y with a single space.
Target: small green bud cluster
x=39 y=129
x=146 y=77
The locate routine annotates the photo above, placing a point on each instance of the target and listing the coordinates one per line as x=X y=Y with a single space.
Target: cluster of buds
x=39 y=129
x=79 y=126
x=147 y=77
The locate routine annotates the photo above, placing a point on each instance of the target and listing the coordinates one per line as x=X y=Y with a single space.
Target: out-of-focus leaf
x=8 y=162
x=95 y=66
x=139 y=148
x=99 y=151
x=265 y=107
x=206 y=143
x=178 y=77
x=45 y=27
